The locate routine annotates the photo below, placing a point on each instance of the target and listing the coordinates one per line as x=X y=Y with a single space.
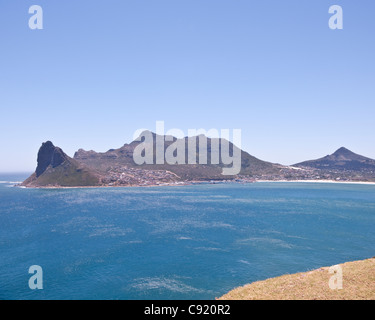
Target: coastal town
x=127 y=176
x=312 y=174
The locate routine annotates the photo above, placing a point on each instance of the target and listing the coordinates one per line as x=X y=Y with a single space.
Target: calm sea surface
x=188 y=242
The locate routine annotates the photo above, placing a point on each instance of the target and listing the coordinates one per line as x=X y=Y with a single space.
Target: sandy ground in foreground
x=348 y=281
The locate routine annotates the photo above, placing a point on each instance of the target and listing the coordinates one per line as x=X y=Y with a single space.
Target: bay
x=185 y=242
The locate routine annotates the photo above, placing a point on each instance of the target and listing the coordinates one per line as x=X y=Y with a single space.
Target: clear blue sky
x=99 y=70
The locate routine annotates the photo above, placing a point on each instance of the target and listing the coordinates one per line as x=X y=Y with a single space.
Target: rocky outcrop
x=57 y=169
x=49 y=155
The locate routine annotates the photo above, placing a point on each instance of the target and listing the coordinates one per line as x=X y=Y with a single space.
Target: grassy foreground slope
x=358 y=283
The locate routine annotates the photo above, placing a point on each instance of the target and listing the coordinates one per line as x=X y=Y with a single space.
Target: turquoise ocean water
x=187 y=242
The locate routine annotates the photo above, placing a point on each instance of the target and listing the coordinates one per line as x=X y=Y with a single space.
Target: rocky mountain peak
x=49 y=155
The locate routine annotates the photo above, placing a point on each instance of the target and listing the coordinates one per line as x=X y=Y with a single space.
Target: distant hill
x=341 y=159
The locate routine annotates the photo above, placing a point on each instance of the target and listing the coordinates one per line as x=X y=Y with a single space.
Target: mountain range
x=116 y=167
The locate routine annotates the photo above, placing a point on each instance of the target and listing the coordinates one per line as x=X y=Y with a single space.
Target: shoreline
x=189 y=183
x=321 y=181
x=99 y=187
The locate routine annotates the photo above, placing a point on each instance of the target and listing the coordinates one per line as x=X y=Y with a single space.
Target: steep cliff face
x=57 y=169
x=49 y=155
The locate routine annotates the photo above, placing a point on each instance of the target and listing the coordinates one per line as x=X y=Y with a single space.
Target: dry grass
x=358 y=283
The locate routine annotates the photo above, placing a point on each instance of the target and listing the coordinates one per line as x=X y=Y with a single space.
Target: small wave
x=162 y=283
x=211 y=249
x=266 y=242
x=184 y=238
x=244 y=262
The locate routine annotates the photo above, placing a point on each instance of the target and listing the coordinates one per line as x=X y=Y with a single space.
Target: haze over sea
x=186 y=242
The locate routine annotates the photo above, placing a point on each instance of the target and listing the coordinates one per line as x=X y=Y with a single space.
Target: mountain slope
x=115 y=158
